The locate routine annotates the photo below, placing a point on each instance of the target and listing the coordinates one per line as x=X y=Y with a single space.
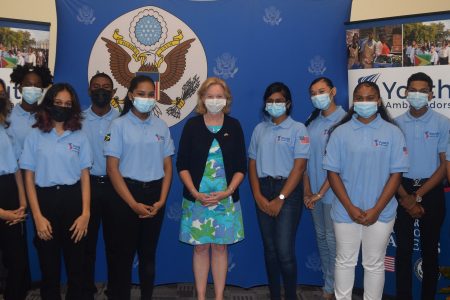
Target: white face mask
x=144 y=105
x=215 y=105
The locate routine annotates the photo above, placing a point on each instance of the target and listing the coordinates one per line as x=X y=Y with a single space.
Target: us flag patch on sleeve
x=304 y=139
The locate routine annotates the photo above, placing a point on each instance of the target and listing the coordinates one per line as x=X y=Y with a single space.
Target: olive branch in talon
x=188 y=90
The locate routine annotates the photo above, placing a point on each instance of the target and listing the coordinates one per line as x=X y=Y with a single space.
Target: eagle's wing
x=164 y=99
x=176 y=64
x=118 y=62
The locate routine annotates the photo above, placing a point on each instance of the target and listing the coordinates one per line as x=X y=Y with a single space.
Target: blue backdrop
x=290 y=41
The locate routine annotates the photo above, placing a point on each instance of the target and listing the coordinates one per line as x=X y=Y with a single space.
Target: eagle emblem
x=150 y=49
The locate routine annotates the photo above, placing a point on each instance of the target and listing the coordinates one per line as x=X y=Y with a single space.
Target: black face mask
x=101 y=97
x=59 y=113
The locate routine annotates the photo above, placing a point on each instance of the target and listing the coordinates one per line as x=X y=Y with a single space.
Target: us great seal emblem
x=151 y=41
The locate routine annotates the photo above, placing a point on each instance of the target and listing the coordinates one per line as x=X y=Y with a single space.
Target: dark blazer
x=194 y=147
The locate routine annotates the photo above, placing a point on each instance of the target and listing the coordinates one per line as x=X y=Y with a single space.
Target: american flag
x=304 y=139
x=389 y=263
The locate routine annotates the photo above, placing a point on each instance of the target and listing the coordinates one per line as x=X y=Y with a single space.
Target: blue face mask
x=365 y=109
x=144 y=105
x=321 y=101
x=417 y=100
x=31 y=94
x=276 y=109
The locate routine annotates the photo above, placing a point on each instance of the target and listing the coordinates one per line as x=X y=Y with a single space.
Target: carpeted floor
x=186 y=291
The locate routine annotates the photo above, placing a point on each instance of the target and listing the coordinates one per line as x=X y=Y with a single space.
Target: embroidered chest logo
x=74 y=148
x=282 y=139
x=325 y=132
x=431 y=135
x=107 y=137
x=159 y=138
x=379 y=143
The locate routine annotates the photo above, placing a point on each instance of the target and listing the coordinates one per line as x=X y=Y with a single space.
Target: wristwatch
x=282 y=197
x=418 y=198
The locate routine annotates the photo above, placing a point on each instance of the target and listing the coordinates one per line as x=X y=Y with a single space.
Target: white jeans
x=374 y=240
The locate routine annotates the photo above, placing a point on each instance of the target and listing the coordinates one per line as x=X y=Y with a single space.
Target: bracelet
x=319 y=195
x=231 y=189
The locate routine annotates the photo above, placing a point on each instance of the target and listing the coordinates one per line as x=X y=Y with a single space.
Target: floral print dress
x=218 y=224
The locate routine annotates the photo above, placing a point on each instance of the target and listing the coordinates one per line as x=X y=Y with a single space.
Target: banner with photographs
x=23 y=43
x=388 y=55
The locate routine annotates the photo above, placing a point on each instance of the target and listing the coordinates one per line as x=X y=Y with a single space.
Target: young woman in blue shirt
x=317 y=193
x=56 y=158
x=138 y=149
x=278 y=152
x=364 y=157
x=13 y=239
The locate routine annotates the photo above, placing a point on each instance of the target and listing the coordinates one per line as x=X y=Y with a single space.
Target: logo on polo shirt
x=107 y=137
x=74 y=148
x=326 y=131
x=304 y=139
x=152 y=42
x=380 y=143
x=283 y=139
x=431 y=134
x=159 y=138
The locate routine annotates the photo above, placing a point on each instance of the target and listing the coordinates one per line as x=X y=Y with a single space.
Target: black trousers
x=13 y=244
x=61 y=205
x=101 y=193
x=125 y=235
x=430 y=228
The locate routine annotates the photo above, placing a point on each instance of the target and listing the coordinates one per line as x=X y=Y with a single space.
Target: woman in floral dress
x=211 y=163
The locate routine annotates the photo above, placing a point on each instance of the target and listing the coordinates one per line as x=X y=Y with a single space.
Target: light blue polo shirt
x=426 y=137
x=96 y=127
x=9 y=153
x=275 y=147
x=140 y=145
x=318 y=132
x=56 y=159
x=365 y=155
x=21 y=122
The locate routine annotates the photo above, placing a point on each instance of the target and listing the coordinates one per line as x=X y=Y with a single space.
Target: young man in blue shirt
x=421 y=193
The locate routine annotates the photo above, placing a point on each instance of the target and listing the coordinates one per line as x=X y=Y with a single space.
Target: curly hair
x=18 y=75
x=43 y=118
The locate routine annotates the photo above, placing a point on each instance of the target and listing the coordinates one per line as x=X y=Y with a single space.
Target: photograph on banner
x=375 y=47
x=20 y=46
x=24 y=43
x=426 y=43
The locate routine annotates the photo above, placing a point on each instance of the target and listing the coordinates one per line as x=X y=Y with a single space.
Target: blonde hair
x=201 y=108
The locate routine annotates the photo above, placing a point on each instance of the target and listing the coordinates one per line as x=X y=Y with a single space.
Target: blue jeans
x=278 y=235
x=326 y=243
